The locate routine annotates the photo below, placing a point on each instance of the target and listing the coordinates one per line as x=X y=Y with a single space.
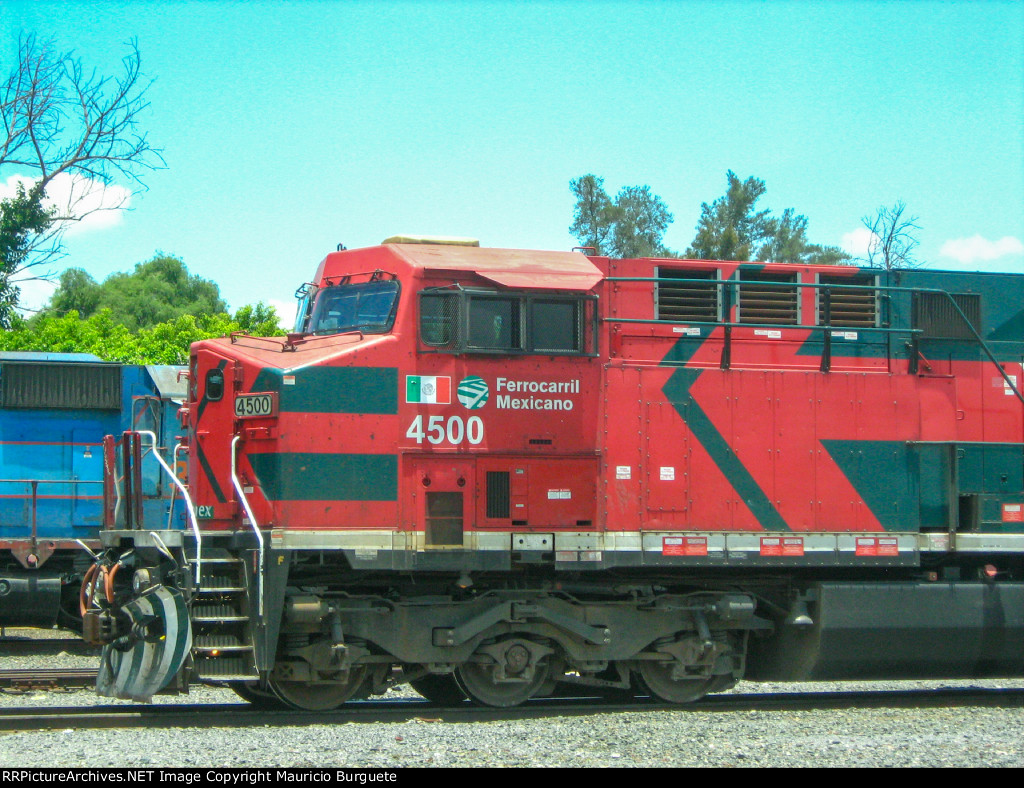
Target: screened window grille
x=495 y=324
x=687 y=301
x=556 y=325
x=466 y=321
x=439 y=319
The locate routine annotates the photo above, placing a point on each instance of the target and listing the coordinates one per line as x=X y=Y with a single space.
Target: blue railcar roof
x=23 y=355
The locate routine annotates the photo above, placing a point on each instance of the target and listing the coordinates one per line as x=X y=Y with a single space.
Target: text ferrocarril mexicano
x=507 y=402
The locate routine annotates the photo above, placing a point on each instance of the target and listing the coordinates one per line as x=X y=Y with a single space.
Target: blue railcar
x=55 y=409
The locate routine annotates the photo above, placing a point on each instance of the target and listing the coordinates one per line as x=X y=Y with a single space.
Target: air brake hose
x=83 y=606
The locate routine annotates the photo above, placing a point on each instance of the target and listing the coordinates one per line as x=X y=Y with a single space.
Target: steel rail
x=242 y=715
x=58 y=678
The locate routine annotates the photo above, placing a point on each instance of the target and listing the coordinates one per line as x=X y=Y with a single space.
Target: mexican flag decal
x=428 y=389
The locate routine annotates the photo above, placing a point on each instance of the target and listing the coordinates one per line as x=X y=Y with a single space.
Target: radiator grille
x=67 y=386
x=938 y=319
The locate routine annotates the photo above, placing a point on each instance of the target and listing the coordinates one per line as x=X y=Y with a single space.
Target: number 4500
x=453 y=430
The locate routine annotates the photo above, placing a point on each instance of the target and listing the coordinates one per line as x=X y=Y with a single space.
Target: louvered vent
x=764 y=298
x=71 y=386
x=687 y=301
x=938 y=319
x=498 y=495
x=856 y=308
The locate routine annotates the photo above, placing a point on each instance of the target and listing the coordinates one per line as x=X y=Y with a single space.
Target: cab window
x=367 y=306
x=471 y=321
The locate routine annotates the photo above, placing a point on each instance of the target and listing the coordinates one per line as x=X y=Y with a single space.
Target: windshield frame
x=334 y=293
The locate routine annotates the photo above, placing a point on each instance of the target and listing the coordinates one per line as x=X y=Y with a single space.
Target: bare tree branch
x=62 y=122
x=893 y=241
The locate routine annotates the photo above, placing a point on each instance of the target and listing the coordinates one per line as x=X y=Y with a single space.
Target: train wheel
x=658 y=680
x=444 y=690
x=261 y=699
x=517 y=678
x=319 y=697
x=722 y=683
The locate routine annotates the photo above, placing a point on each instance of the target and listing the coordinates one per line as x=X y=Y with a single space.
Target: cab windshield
x=367 y=306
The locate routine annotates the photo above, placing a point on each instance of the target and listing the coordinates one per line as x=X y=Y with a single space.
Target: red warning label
x=684 y=545
x=782 y=546
x=1013 y=513
x=877 y=546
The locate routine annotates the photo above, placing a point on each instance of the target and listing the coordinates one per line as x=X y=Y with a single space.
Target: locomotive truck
x=504 y=473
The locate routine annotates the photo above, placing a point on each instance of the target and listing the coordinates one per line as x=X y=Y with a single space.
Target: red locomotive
x=492 y=472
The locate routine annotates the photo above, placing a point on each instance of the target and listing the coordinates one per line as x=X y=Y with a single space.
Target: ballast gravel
x=955 y=736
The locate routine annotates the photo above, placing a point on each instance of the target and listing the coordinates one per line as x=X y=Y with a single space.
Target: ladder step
x=220 y=583
x=224 y=589
x=218 y=641
x=225 y=668
x=219 y=619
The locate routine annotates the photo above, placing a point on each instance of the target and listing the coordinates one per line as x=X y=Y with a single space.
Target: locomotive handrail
x=252 y=519
x=728 y=324
x=51 y=481
x=34 y=495
x=826 y=327
x=977 y=336
x=188 y=505
x=170 y=508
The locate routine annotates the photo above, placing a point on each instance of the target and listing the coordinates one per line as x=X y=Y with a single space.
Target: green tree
x=22 y=219
x=76 y=291
x=162 y=343
x=157 y=291
x=731 y=228
x=787 y=243
x=594 y=217
x=631 y=226
x=258 y=320
x=641 y=223
x=60 y=119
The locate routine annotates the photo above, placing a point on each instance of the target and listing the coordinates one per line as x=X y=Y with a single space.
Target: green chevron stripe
x=333 y=389
x=309 y=476
x=677 y=392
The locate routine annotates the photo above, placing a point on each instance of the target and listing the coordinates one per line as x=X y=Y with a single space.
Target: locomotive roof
x=508 y=267
x=31 y=355
x=168 y=380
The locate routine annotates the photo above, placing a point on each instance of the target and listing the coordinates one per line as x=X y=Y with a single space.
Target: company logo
x=473 y=392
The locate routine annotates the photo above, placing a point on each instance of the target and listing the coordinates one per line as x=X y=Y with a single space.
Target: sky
x=288 y=128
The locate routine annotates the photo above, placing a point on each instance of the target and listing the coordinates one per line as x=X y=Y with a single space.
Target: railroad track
x=241 y=715
x=38 y=646
x=27 y=679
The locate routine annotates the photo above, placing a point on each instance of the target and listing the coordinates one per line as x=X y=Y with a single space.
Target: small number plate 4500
x=255 y=406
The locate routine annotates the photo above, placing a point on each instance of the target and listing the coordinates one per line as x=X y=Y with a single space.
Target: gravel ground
x=962 y=736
